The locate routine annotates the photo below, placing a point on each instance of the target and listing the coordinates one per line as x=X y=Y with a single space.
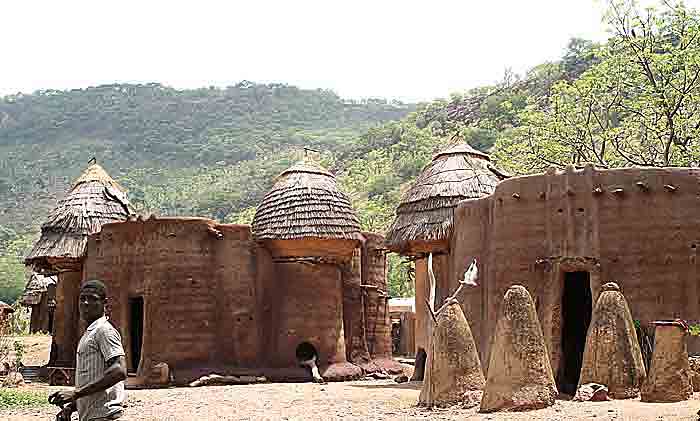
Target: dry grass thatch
x=305 y=203
x=426 y=211
x=94 y=200
x=37 y=285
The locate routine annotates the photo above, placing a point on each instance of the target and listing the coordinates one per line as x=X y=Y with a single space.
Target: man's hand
x=62 y=397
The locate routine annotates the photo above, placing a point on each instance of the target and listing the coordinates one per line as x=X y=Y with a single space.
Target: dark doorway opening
x=135 y=332
x=576 y=307
x=419 y=369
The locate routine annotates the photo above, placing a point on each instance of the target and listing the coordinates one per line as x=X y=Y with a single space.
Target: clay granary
x=564 y=234
x=202 y=297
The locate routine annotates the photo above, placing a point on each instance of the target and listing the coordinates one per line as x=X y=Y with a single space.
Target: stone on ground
x=612 y=356
x=456 y=376
x=519 y=376
x=592 y=392
x=669 y=374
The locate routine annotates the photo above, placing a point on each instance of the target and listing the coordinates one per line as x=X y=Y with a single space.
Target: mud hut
x=311 y=232
x=425 y=218
x=563 y=234
x=94 y=200
x=40 y=297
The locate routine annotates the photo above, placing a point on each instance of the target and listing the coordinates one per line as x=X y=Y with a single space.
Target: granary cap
x=303 y=204
x=424 y=217
x=93 y=200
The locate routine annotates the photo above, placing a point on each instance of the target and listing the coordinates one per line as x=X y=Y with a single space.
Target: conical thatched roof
x=425 y=213
x=305 y=203
x=37 y=285
x=94 y=200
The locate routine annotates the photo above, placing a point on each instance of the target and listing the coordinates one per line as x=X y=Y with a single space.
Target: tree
x=637 y=106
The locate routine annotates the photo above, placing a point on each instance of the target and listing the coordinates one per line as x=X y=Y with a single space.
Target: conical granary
x=519 y=376
x=455 y=369
x=669 y=374
x=612 y=356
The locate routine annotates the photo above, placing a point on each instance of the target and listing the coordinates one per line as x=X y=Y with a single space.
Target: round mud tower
x=669 y=375
x=454 y=363
x=612 y=356
x=519 y=375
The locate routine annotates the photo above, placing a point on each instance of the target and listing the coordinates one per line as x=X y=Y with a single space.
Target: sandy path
x=367 y=400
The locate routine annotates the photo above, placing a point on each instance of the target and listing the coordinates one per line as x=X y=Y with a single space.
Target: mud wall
x=306 y=305
x=197 y=281
x=638 y=227
x=376 y=303
x=66 y=325
x=354 y=322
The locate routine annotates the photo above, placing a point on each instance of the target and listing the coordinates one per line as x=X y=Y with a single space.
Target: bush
x=13 y=398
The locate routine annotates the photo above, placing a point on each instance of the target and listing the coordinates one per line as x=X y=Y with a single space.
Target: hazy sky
x=381 y=48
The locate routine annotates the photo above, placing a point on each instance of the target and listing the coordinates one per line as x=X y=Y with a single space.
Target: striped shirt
x=100 y=343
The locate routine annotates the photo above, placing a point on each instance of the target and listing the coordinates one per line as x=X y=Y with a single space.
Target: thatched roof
x=37 y=285
x=6 y=308
x=425 y=213
x=305 y=203
x=93 y=200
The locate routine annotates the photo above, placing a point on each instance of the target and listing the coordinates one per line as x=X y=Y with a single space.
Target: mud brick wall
x=306 y=305
x=353 y=310
x=378 y=322
x=67 y=317
x=638 y=227
x=238 y=298
x=195 y=281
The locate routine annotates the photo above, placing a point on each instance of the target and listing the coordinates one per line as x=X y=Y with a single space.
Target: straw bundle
x=95 y=199
x=425 y=213
x=305 y=203
x=37 y=285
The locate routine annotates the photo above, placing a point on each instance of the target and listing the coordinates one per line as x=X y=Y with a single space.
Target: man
x=100 y=368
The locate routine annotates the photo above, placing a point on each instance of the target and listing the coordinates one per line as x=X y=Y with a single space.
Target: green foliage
x=401 y=277
x=12 y=271
x=636 y=105
x=17 y=398
x=19 y=353
x=694 y=329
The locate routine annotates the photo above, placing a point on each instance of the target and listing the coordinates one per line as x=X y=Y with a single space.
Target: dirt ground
x=361 y=400
x=36 y=348
x=364 y=400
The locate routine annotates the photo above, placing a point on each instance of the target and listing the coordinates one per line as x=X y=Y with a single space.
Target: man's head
x=93 y=295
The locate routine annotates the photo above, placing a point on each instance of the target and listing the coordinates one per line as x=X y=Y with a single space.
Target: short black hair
x=98 y=286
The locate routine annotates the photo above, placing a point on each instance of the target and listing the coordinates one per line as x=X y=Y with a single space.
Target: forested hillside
x=634 y=100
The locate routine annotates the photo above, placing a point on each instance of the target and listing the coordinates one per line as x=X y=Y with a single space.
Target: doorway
x=135 y=332
x=576 y=309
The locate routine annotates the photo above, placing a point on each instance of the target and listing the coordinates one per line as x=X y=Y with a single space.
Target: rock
x=612 y=355
x=593 y=392
x=455 y=368
x=401 y=379
x=519 y=375
x=669 y=376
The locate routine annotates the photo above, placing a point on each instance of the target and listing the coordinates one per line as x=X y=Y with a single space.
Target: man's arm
x=114 y=373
